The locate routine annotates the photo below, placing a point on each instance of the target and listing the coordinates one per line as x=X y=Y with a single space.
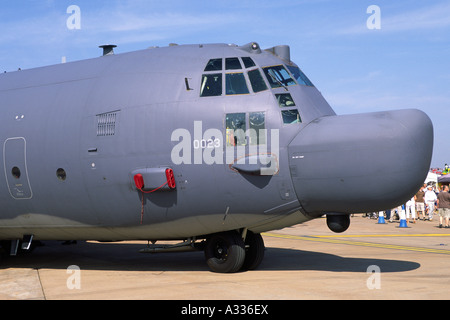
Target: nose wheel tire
x=225 y=252
x=254 y=251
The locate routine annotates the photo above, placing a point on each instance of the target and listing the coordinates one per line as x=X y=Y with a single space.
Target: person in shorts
x=420 y=203
x=443 y=205
x=430 y=199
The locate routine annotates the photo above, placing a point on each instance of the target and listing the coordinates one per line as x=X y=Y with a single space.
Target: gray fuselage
x=74 y=136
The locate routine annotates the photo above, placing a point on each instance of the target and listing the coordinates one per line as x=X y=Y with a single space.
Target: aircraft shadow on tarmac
x=125 y=257
x=291 y=259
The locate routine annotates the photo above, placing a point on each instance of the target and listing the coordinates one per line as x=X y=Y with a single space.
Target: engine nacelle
x=338 y=222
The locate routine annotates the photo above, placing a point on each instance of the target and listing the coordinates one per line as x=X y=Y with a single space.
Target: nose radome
x=361 y=163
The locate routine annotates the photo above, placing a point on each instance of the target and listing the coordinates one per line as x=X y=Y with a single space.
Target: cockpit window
x=257 y=81
x=239 y=134
x=214 y=65
x=278 y=76
x=235 y=84
x=248 y=62
x=211 y=85
x=291 y=116
x=285 y=100
x=235 y=129
x=215 y=78
x=232 y=64
x=300 y=76
x=257 y=132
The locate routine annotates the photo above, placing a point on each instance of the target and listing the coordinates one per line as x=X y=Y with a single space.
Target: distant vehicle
x=207 y=144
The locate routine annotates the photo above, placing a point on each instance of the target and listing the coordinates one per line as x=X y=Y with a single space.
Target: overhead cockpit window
x=291 y=116
x=257 y=81
x=278 y=76
x=285 y=100
x=232 y=64
x=300 y=76
x=214 y=65
x=211 y=85
x=248 y=62
x=235 y=84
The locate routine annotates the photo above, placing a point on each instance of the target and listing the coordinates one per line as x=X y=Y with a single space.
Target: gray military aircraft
x=209 y=145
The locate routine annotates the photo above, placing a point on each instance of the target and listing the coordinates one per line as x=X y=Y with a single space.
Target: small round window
x=61 y=174
x=15 y=172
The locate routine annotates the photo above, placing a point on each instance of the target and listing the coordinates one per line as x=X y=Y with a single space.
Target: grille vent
x=106 y=124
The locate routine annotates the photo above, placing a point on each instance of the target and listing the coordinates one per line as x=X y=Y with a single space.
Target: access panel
x=15 y=165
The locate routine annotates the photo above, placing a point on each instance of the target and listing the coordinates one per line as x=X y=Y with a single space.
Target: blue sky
x=404 y=64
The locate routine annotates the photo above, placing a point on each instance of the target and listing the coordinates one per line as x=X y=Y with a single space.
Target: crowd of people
x=424 y=205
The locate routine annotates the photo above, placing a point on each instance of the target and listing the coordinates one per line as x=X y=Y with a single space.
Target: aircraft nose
x=361 y=163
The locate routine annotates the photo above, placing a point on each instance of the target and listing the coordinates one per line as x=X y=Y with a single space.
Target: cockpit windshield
x=241 y=76
x=300 y=76
x=236 y=77
x=278 y=76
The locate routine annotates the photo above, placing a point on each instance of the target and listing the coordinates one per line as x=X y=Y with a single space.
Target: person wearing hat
x=430 y=199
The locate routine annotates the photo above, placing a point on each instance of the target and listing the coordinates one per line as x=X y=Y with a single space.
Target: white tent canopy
x=432 y=177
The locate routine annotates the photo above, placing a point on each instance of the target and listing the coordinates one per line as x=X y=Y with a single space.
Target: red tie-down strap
x=170 y=179
x=139 y=182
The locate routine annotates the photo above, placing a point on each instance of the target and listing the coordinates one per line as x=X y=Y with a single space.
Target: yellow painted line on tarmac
x=327 y=239
x=385 y=235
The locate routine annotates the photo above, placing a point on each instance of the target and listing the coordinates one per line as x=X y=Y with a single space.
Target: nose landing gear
x=227 y=252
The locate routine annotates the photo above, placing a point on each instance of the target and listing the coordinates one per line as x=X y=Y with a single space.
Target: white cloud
x=371 y=76
x=366 y=100
x=132 y=21
x=33 y=29
x=425 y=18
x=127 y=23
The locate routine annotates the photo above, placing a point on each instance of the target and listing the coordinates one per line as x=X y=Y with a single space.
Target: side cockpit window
x=300 y=76
x=285 y=100
x=291 y=116
x=278 y=76
x=211 y=85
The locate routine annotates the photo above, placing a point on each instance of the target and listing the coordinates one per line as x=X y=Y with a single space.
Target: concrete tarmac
x=369 y=261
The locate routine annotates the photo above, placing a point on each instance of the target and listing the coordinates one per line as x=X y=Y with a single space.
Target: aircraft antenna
x=108 y=49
